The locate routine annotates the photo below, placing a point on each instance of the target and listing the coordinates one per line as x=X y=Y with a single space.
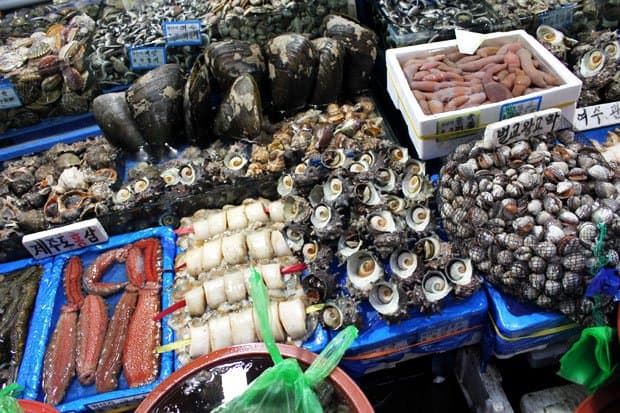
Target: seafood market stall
x=439 y=181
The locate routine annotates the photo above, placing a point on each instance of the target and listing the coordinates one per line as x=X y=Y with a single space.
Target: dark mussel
x=361 y=51
x=331 y=53
x=228 y=59
x=239 y=115
x=113 y=117
x=156 y=101
x=291 y=67
x=197 y=110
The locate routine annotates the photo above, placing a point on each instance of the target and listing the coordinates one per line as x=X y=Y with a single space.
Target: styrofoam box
x=437 y=135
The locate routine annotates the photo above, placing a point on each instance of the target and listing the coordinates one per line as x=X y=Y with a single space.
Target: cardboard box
x=437 y=135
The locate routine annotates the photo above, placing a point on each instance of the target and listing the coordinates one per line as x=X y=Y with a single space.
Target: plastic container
x=84 y=398
x=40 y=311
x=519 y=328
x=437 y=135
x=380 y=345
x=242 y=357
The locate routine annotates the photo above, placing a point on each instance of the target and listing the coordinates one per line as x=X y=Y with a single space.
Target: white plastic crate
x=437 y=135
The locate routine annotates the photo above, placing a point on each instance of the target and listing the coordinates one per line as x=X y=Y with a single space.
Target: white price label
x=183 y=33
x=68 y=238
x=146 y=58
x=521 y=128
x=8 y=96
x=597 y=116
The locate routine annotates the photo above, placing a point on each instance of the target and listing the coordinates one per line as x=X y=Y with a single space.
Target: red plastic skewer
x=300 y=266
x=174 y=307
x=184 y=230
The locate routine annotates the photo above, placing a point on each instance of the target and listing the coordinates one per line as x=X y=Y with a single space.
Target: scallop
x=387 y=299
x=418 y=218
x=435 y=286
x=460 y=271
x=592 y=63
x=403 y=263
x=363 y=270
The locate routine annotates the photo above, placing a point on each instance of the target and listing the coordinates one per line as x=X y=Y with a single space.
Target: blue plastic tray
x=84 y=398
x=460 y=323
x=40 y=311
x=519 y=327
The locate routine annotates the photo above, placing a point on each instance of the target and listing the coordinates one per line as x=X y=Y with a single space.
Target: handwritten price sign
x=522 y=127
x=68 y=238
x=183 y=33
x=146 y=58
x=597 y=116
x=8 y=96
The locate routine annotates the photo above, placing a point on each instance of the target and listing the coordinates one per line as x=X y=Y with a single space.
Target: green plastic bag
x=285 y=387
x=8 y=399
x=592 y=360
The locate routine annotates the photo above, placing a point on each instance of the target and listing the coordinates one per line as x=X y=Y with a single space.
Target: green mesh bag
x=8 y=399
x=285 y=387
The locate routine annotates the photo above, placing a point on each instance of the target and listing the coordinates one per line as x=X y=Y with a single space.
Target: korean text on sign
x=68 y=238
x=144 y=58
x=8 y=96
x=183 y=33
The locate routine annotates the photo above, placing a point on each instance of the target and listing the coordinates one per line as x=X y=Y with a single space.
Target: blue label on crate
x=183 y=33
x=558 y=18
x=522 y=107
x=146 y=58
x=8 y=96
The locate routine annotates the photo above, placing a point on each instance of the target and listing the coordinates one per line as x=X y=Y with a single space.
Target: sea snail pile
x=529 y=215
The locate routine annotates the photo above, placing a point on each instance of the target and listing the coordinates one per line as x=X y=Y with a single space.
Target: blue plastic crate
x=39 y=311
x=519 y=327
x=85 y=398
x=380 y=344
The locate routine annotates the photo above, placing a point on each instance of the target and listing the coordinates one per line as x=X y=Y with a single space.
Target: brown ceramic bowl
x=345 y=387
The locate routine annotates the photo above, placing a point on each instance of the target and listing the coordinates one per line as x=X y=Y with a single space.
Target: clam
x=381 y=221
x=240 y=114
x=418 y=218
x=113 y=117
x=361 y=50
x=330 y=70
x=387 y=299
x=403 y=263
x=460 y=271
x=196 y=108
x=291 y=67
x=363 y=270
x=228 y=59
x=592 y=63
x=155 y=101
x=428 y=248
x=435 y=286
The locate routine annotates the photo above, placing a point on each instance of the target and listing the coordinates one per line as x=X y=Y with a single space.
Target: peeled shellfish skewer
x=231 y=287
x=234 y=249
x=235 y=218
x=287 y=319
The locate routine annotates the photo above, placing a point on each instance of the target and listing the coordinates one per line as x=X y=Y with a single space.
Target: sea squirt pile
x=530 y=214
x=451 y=80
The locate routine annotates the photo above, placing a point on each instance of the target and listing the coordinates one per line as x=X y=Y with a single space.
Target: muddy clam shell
x=228 y=59
x=113 y=117
x=361 y=51
x=197 y=111
x=239 y=115
x=330 y=71
x=291 y=68
x=156 y=101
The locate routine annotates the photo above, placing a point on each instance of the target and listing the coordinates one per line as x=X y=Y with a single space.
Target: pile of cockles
x=369 y=210
x=93 y=348
x=531 y=214
x=211 y=288
x=451 y=80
